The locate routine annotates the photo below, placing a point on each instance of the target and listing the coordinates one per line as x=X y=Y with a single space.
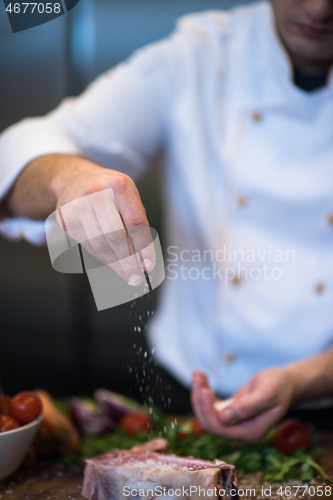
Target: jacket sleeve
x=118 y=122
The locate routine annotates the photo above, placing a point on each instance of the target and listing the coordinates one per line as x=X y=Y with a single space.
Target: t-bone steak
x=147 y=475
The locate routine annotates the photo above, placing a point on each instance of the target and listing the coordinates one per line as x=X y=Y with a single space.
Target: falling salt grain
x=172 y=425
x=145 y=354
x=165 y=429
x=139 y=329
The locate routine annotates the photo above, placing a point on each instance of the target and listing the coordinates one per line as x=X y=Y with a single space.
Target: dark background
x=51 y=334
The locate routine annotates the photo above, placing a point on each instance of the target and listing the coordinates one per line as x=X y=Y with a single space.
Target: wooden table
x=47 y=480
x=51 y=480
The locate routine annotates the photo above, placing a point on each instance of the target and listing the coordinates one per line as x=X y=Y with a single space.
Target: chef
x=242 y=104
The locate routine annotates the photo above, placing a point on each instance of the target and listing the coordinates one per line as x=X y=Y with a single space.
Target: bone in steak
x=135 y=474
x=158 y=445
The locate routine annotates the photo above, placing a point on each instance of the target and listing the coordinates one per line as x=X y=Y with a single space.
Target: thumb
x=245 y=407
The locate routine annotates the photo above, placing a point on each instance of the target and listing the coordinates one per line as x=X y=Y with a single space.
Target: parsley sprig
x=249 y=458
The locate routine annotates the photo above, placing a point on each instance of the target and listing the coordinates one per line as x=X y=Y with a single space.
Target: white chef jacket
x=248 y=171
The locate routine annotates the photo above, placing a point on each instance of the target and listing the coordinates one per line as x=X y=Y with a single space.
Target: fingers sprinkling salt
x=220 y=405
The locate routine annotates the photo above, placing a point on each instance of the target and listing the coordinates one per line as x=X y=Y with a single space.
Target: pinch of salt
x=220 y=405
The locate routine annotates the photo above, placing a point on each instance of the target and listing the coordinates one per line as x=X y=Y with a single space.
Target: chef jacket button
x=230 y=357
x=236 y=280
x=320 y=287
x=241 y=201
x=256 y=116
x=330 y=219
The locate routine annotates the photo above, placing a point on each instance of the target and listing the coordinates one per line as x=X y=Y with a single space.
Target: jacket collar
x=266 y=65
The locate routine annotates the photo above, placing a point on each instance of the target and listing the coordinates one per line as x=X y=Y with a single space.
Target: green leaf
x=319 y=469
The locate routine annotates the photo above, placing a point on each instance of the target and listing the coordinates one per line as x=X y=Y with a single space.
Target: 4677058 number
x=33 y=7
x=305 y=490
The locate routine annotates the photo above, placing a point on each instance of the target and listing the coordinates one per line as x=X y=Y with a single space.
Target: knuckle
x=117 y=239
x=135 y=217
x=121 y=183
x=79 y=204
x=136 y=221
x=100 y=244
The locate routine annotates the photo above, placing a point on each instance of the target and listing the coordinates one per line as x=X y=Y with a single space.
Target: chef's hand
x=252 y=411
x=64 y=182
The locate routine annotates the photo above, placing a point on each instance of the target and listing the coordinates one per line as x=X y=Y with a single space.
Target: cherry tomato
x=189 y=428
x=291 y=436
x=133 y=423
x=25 y=407
x=196 y=428
x=4 y=405
x=8 y=423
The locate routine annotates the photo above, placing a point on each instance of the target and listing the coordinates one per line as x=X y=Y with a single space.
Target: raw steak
x=158 y=445
x=145 y=475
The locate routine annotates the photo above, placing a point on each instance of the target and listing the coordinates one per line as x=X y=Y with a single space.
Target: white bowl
x=14 y=446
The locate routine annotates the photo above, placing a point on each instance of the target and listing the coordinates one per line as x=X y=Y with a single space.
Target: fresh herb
x=300 y=465
x=249 y=458
x=92 y=446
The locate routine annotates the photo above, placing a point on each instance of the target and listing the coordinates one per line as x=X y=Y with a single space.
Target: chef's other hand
x=63 y=182
x=252 y=411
